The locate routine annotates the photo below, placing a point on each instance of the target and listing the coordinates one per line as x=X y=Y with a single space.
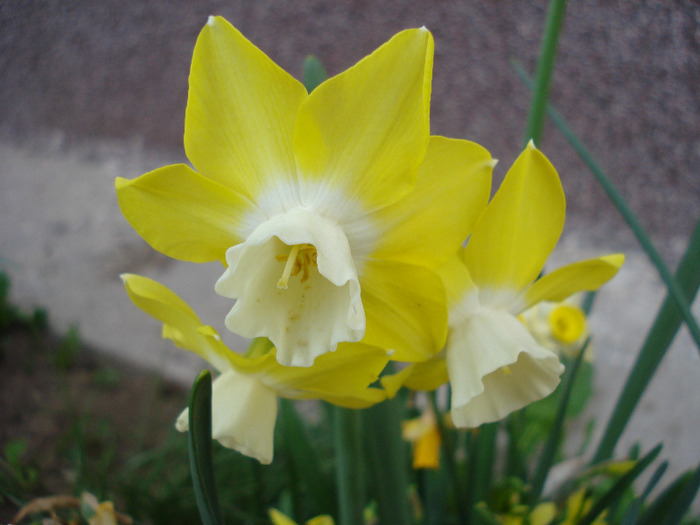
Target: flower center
x=568 y=323
x=300 y=258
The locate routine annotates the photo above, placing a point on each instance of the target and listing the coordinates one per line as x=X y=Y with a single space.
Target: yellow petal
x=185 y=215
x=426 y=450
x=405 y=309
x=462 y=293
x=428 y=375
x=365 y=131
x=518 y=230
x=496 y=367
x=241 y=109
x=278 y=518
x=350 y=369
x=433 y=220
x=321 y=520
x=543 y=514
x=180 y=323
x=243 y=414
x=556 y=286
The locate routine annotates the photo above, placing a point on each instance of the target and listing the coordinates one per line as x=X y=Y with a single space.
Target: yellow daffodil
x=493 y=363
x=329 y=208
x=424 y=435
x=244 y=395
x=577 y=505
x=542 y=514
x=278 y=518
x=561 y=327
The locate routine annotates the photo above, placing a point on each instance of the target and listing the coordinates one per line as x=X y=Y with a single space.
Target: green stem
x=548 y=52
x=350 y=473
x=658 y=340
x=674 y=289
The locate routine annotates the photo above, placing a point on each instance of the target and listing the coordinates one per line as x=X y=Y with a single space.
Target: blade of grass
x=304 y=459
x=350 y=467
x=387 y=460
x=674 y=289
x=653 y=350
x=612 y=496
x=545 y=66
x=200 y=447
x=552 y=444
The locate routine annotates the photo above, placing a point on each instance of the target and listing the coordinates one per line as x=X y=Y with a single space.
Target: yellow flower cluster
x=340 y=222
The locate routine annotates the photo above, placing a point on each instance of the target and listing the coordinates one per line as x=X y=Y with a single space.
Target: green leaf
x=388 y=454
x=305 y=460
x=552 y=444
x=615 y=493
x=314 y=73
x=548 y=52
x=658 y=341
x=350 y=466
x=200 y=447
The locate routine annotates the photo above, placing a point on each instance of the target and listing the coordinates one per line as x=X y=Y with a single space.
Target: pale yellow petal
x=430 y=223
x=496 y=367
x=405 y=309
x=185 y=215
x=243 y=415
x=366 y=130
x=305 y=312
x=556 y=286
x=241 y=109
x=518 y=230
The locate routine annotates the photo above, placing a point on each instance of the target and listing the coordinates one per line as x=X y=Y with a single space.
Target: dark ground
x=626 y=78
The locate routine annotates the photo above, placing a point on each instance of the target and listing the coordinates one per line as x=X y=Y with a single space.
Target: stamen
x=291 y=260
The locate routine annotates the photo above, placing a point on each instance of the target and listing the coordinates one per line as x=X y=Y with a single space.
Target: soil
x=80 y=414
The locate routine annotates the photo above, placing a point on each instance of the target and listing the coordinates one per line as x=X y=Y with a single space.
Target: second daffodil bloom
x=328 y=208
x=244 y=395
x=493 y=363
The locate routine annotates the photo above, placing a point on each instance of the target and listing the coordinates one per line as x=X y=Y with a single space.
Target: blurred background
x=94 y=90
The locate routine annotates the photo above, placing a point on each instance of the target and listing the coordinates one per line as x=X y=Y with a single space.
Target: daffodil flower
x=561 y=327
x=493 y=363
x=244 y=395
x=424 y=435
x=328 y=208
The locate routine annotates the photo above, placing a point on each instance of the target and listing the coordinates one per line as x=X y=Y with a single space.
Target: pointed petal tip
x=211 y=20
x=531 y=145
x=493 y=162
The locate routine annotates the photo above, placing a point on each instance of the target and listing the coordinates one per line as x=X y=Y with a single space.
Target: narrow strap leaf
x=350 y=466
x=684 y=500
x=305 y=460
x=667 y=500
x=548 y=52
x=387 y=465
x=613 y=495
x=658 y=341
x=552 y=444
x=200 y=447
